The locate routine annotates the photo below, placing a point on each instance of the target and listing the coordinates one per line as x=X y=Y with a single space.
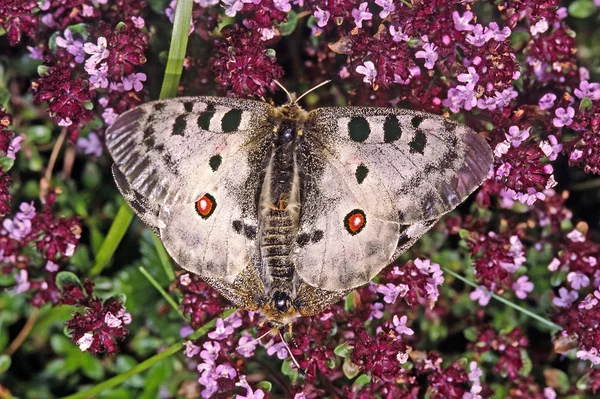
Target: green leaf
x=4 y=96
x=42 y=70
x=287 y=28
x=6 y=163
x=81 y=29
x=113 y=238
x=361 y=381
x=271 y=53
x=586 y=104
x=288 y=371
x=88 y=105
x=527 y=364
x=470 y=334
x=350 y=369
x=343 y=350
x=64 y=277
x=582 y=8
x=265 y=386
x=92 y=368
x=352 y=300
x=39 y=134
x=5 y=362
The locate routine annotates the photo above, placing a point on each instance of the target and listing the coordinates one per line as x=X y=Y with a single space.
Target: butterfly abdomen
x=277 y=243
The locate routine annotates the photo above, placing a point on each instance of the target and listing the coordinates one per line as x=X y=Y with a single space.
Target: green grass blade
x=165 y=260
x=179 y=39
x=113 y=238
x=146 y=364
x=164 y=293
x=505 y=301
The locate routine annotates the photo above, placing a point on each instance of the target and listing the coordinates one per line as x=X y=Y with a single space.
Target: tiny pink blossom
x=462 y=23
x=97 y=51
x=368 y=69
x=563 y=117
x=191 y=349
x=232 y=7
x=400 y=325
x=322 y=17
x=575 y=155
x=541 y=26
x=588 y=90
x=221 y=331
x=185 y=279
x=134 y=81
x=282 y=5
x=522 y=287
x=592 y=355
x=85 y=342
x=576 y=236
x=246 y=345
x=397 y=34
x=470 y=77
x=554 y=265
x=376 y=311
x=481 y=296
x=429 y=54
x=549 y=393
x=391 y=291
x=109 y=115
x=14 y=147
x=479 y=36
x=277 y=348
x=516 y=136
x=578 y=280
x=73 y=47
x=361 y=14
x=51 y=267
x=499 y=35
x=565 y=298
x=210 y=353
x=90 y=145
x=250 y=394
x=22 y=280
x=501 y=148
x=112 y=321
x=388 y=7
x=138 y=22
x=547 y=101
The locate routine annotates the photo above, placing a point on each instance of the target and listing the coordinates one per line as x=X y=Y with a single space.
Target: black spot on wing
x=206 y=116
x=416 y=121
x=449 y=126
x=179 y=126
x=231 y=120
x=359 y=129
x=215 y=162
x=189 y=106
x=317 y=236
x=361 y=173
x=159 y=106
x=237 y=226
x=418 y=143
x=302 y=239
x=250 y=231
x=391 y=129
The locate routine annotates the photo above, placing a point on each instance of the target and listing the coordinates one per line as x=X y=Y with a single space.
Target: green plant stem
x=113 y=238
x=146 y=364
x=505 y=301
x=164 y=293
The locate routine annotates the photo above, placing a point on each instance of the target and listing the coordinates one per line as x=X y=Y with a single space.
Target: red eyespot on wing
x=355 y=221
x=206 y=205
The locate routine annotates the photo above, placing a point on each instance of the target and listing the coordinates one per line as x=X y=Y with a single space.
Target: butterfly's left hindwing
x=190 y=167
x=377 y=179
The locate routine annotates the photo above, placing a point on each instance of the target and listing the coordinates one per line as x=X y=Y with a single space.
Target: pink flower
x=14 y=147
x=250 y=394
x=282 y=5
x=400 y=325
x=547 y=101
x=368 y=69
x=74 y=47
x=578 y=280
x=501 y=148
x=429 y=54
x=522 y=287
x=322 y=17
x=361 y=14
x=277 y=348
x=391 y=291
x=588 y=90
x=134 y=81
x=461 y=96
x=480 y=295
x=479 y=36
x=138 y=22
x=85 y=342
x=554 y=265
x=516 y=136
x=90 y=145
x=246 y=345
x=397 y=34
x=221 y=331
x=191 y=349
x=499 y=34
x=470 y=77
x=210 y=352
x=576 y=236
x=565 y=298
x=233 y=6
x=22 y=280
x=388 y=7
x=563 y=117
x=97 y=51
x=109 y=115
x=541 y=26
x=462 y=23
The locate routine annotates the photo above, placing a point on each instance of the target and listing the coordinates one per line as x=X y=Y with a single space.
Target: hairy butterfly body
x=285 y=211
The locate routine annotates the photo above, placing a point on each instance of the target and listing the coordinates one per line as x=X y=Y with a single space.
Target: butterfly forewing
x=190 y=168
x=384 y=175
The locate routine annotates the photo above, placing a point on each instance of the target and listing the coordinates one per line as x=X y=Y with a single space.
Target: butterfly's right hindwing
x=190 y=168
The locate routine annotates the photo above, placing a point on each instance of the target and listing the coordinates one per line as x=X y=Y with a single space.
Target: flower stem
x=505 y=301
x=146 y=364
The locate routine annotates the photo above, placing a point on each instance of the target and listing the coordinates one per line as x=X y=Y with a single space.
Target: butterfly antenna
x=313 y=89
x=290 y=97
x=250 y=342
x=291 y=355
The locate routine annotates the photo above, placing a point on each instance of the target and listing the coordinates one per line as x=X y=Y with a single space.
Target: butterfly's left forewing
x=190 y=168
x=377 y=180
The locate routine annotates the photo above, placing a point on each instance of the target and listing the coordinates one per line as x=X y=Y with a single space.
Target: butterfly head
x=279 y=311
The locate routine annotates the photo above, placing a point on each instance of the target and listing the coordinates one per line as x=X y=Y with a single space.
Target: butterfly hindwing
x=189 y=167
x=382 y=177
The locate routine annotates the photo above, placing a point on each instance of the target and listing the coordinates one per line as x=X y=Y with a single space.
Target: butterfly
x=285 y=211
